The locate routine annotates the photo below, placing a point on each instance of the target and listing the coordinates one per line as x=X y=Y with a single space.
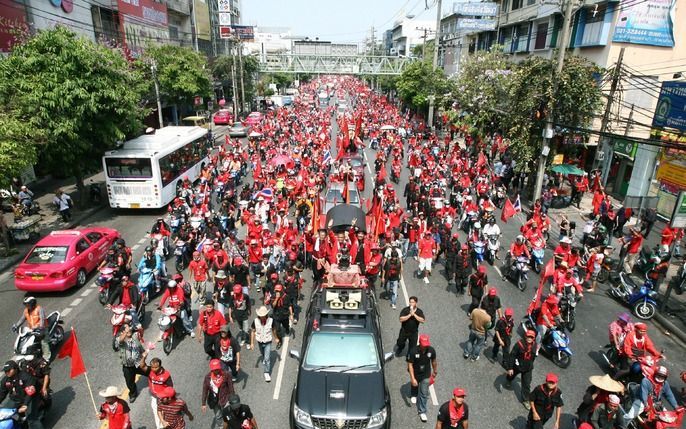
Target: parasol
x=282 y=160
x=567 y=170
x=387 y=127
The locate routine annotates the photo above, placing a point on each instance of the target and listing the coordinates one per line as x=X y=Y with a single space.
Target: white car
x=334 y=196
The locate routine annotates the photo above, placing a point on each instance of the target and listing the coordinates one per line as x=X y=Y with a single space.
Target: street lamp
x=153 y=69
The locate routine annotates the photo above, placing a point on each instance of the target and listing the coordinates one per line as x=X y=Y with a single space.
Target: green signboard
x=679 y=214
x=626 y=148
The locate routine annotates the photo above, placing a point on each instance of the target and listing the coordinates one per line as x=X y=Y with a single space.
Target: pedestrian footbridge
x=334 y=64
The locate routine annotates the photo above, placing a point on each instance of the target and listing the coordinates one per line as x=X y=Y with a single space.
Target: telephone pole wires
x=437 y=44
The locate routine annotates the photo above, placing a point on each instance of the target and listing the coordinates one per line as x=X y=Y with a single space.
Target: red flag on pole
x=548 y=272
x=481 y=160
x=508 y=211
x=346 y=132
x=257 y=171
x=346 y=192
x=358 y=126
x=71 y=350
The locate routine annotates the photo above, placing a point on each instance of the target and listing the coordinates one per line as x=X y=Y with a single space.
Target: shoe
x=426 y=280
x=526 y=404
x=132 y=399
x=466 y=356
x=248 y=347
x=192 y=334
x=422 y=417
x=393 y=306
x=413 y=399
x=267 y=377
x=474 y=359
x=295 y=321
x=234 y=378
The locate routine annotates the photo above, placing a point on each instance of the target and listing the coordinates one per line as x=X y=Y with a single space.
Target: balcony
x=179 y=6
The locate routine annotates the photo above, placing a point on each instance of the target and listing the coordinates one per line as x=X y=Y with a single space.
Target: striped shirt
x=173 y=413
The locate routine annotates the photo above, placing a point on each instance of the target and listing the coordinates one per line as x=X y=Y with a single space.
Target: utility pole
x=240 y=70
x=153 y=68
x=194 y=26
x=548 y=132
x=437 y=44
x=373 y=41
x=426 y=31
x=604 y=124
x=234 y=88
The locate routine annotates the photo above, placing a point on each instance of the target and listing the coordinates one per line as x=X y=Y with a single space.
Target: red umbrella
x=282 y=160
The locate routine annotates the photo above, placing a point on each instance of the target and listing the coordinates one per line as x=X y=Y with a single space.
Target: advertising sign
x=476 y=9
x=224 y=18
x=476 y=24
x=244 y=32
x=625 y=148
x=679 y=214
x=672 y=173
x=223 y=6
x=671 y=106
x=225 y=33
x=647 y=22
x=202 y=19
x=149 y=11
x=12 y=19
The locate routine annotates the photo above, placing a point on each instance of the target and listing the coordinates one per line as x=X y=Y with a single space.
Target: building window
x=516 y=4
x=596 y=15
x=541 y=35
x=173 y=33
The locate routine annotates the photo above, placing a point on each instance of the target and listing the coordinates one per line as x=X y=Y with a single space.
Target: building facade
x=408 y=33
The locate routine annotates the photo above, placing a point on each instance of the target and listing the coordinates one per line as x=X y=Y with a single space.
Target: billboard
x=143 y=22
x=671 y=106
x=245 y=33
x=12 y=22
x=202 y=19
x=476 y=9
x=646 y=22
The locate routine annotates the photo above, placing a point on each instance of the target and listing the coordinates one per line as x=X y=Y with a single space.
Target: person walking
x=237 y=415
x=545 y=401
x=633 y=248
x=228 y=351
x=171 y=410
x=463 y=269
x=210 y=322
x=423 y=368
x=264 y=331
x=158 y=380
x=502 y=337
x=391 y=275
x=115 y=410
x=427 y=250
x=454 y=413
x=521 y=361
x=410 y=318
x=131 y=352
x=648 y=220
x=477 y=285
x=491 y=303
x=477 y=334
x=198 y=269
x=217 y=387
x=64 y=203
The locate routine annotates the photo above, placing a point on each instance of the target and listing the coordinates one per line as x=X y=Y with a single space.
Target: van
x=195 y=121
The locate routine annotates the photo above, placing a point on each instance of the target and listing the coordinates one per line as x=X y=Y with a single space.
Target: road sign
x=223 y=5
x=224 y=18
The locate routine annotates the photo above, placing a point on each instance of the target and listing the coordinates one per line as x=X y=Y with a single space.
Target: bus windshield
x=129 y=168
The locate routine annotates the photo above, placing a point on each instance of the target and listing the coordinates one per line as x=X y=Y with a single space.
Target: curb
x=670 y=328
x=14 y=259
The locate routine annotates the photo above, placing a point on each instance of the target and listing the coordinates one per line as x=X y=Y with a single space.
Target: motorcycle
x=104 y=284
x=148 y=286
x=469 y=219
x=493 y=243
x=478 y=249
x=160 y=244
x=181 y=255
x=567 y=306
x=609 y=265
x=537 y=254
x=641 y=299
x=10 y=419
x=555 y=344
x=648 y=259
x=28 y=341
x=167 y=324
x=518 y=271
x=175 y=222
x=121 y=315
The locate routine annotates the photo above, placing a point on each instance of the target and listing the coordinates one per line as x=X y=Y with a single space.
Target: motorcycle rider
x=20 y=386
x=563 y=250
x=652 y=390
x=517 y=249
x=34 y=316
x=127 y=294
x=638 y=344
x=618 y=331
x=177 y=299
x=568 y=283
x=491 y=229
x=548 y=318
x=154 y=262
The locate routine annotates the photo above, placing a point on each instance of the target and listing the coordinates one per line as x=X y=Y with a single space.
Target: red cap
x=167 y=392
x=458 y=391
x=465 y=247
x=481 y=269
x=278 y=288
x=492 y=291
x=509 y=311
x=551 y=378
x=238 y=260
x=177 y=277
x=215 y=365
x=531 y=333
x=274 y=276
x=552 y=299
x=424 y=340
x=237 y=288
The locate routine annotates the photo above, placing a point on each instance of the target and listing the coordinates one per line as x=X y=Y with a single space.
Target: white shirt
x=62 y=202
x=491 y=229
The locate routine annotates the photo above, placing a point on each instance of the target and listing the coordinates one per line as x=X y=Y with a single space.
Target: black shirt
x=411 y=324
x=392 y=270
x=444 y=415
x=421 y=361
x=491 y=304
x=21 y=388
x=545 y=401
x=235 y=419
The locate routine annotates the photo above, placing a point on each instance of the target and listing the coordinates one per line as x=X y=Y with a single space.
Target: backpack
x=393 y=269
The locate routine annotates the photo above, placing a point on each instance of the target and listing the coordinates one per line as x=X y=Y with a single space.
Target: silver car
x=334 y=196
x=238 y=130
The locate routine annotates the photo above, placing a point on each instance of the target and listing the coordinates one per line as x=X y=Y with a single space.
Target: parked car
x=356 y=161
x=238 y=130
x=63 y=259
x=223 y=117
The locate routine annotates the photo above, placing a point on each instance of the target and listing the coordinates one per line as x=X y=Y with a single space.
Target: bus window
x=128 y=168
x=181 y=160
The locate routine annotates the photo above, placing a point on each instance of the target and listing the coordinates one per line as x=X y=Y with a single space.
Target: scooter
x=648 y=258
x=10 y=419
x=148 y=286
x=28 y=341
x=537 y=254
x=181 y=255
x=104 y=283
x=167 y=324
x=641 y=299
x=518 y=272
x=567 y=306
x=121 y=315
x=556 y=345
x=493 y=244
x=478 y=248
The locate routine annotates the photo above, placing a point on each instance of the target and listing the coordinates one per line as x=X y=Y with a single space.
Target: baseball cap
x=167 y=392
x=531 y=333
x=215 y=365
x=509 y=311
x=481 y=269
x=492 y=291
x=458 y=391
x=424 y=340
x=551 y=378
x=640 y=326
x=10 y=364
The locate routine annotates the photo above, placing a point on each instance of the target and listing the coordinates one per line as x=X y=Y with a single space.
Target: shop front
x=621 y=168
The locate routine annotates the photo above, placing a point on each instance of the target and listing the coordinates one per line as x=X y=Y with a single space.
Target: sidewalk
x=673 y=319
x=50 y=218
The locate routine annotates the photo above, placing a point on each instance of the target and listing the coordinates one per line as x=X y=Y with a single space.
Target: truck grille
x=343 y=423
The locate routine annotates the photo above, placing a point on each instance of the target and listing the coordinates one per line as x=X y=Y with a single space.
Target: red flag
x=358 y=126
x=71 y=349
x=257 y=171
x=481 y=161
x=345 y=131
x=346 y=192
x=549 y=269
x=548 y=272
x=340 y=148
x=508 y=211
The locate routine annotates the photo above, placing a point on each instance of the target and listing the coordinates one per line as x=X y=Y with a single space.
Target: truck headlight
x=301 y=417
x=378 y=419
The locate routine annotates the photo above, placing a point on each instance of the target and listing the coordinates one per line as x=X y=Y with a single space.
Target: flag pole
x=90 y=391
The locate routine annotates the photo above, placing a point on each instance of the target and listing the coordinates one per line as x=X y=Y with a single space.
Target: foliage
x=182 y=73
x=418 y=82
x=387 y=83
x=426 y=54
x=17 y=146
x=221 y=71
x=75 y=96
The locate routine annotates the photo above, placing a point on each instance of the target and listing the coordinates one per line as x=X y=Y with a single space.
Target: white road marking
x=498 y=270
x=76 y=302
x=432 y=393
x=93 y=285
x=135 y=246
x=142 y=240
x=65 y=312
x=282 y=364
x=367 y=162
x=86 y=293
x=404 y=289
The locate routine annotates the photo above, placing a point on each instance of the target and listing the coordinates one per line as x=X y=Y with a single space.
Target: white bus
x=145 y=171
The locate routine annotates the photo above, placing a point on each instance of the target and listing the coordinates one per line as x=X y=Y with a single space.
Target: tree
x=73 y=95
x=182 y=73
x=418 y=82
x=18 y=144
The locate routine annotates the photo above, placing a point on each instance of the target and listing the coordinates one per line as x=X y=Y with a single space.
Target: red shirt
x=548 y=312
x=426 y=245
x=198 y=269
x=117 y=414
x=211 y=323
x=175 y=297
x=635 y=244
x=157 y=382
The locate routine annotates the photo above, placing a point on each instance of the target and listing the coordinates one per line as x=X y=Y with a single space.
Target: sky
x=335 y=20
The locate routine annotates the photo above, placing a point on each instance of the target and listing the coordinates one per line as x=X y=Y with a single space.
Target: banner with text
x=476 y=9
x=646 y=22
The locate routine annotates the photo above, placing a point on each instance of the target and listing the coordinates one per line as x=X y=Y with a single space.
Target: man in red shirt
x=637 y=344
x=158 y=380
x=220 y=259
x=210 y=323
x=427 y=250
x=667 y=237
x=633 y=249
x=177 y=298
x=198 y=269
x=547 y=319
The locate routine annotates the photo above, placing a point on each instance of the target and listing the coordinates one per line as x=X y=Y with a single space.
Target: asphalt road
x=491 y=405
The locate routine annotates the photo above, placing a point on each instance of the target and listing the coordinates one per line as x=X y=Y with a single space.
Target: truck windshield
x=352 y=350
